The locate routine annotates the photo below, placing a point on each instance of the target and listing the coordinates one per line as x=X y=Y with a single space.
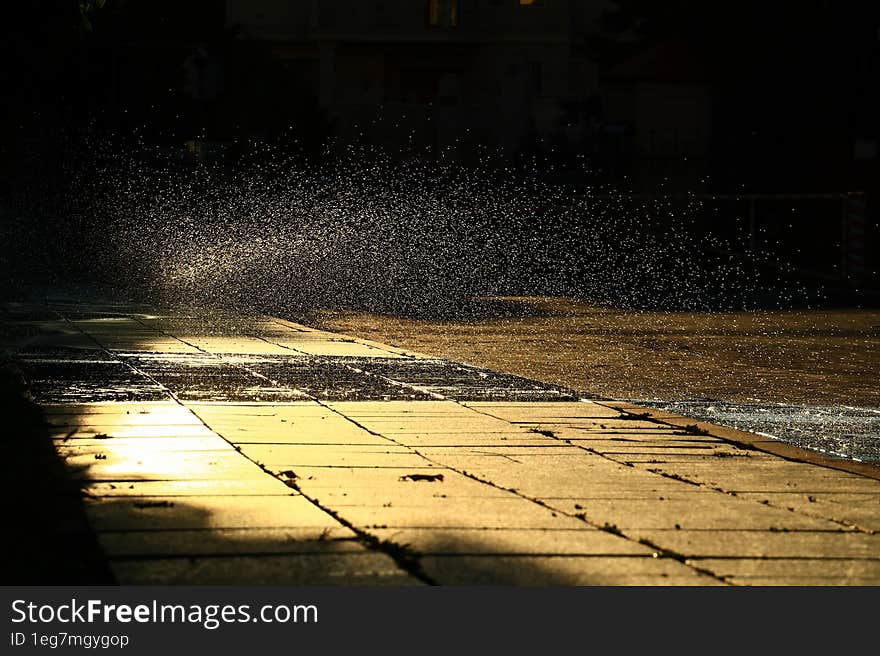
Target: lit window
x=531 y=3
x=433 y=13
x=443 y=13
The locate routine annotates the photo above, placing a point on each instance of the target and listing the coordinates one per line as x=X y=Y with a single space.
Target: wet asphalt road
x=839 y=431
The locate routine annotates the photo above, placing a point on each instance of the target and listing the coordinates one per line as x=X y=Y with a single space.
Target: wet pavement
x=80 y=375
x=807 y=377
x=840 y=431
x=217 y=448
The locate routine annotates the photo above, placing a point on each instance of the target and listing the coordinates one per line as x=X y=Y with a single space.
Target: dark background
x=682 y=97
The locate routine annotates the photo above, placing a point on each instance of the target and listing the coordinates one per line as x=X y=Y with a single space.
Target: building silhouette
x=435 y=77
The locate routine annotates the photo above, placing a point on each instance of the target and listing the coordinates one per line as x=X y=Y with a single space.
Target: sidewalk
x=226 y=449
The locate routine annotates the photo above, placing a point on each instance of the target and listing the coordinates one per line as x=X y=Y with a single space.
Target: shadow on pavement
x=48 y=540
